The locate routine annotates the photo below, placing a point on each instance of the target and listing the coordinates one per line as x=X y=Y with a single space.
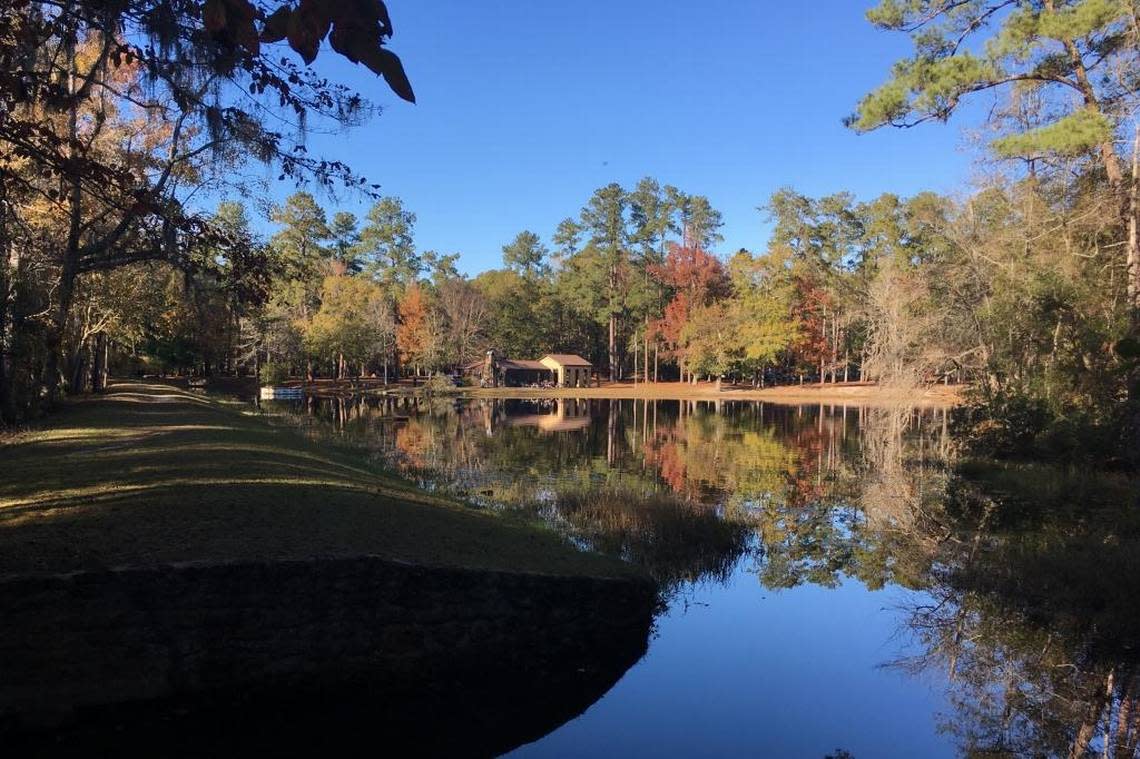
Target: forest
x=118 y=120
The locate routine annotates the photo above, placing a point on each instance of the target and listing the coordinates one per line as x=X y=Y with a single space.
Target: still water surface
x=831 y=588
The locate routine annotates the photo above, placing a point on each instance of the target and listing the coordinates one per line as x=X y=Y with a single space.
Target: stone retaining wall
x=427 y=651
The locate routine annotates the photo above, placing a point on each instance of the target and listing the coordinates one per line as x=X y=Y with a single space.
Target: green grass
x=151 y=475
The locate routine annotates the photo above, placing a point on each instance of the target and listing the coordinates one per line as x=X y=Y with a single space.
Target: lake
x=831 y=586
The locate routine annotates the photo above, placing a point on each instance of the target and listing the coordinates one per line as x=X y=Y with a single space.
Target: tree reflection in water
x=1028 y=577
x=1035 y=621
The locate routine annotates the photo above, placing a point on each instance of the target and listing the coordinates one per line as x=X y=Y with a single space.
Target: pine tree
x=605 y=219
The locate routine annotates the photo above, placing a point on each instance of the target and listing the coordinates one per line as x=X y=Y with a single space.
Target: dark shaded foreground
x=292 y=658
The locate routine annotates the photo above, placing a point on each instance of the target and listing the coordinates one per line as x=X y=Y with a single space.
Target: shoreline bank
x=836 y=394
x=861 y=394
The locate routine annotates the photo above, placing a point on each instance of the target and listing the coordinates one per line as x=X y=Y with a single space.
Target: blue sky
x=526 y=106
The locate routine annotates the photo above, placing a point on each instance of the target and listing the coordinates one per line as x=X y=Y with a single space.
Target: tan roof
x=567 y=359
x=511 y=363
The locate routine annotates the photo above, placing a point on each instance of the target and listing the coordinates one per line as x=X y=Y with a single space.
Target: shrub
x=438 y=383
x=273 y=373
x=1017 y=425
x=1004 y=425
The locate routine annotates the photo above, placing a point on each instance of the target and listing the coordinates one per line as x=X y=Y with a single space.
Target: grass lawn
x=150 y=474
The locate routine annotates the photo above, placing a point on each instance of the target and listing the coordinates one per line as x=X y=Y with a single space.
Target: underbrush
x=1019 y=426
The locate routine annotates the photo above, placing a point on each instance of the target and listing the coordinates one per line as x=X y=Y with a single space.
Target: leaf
x=240 y=9
x=316 y=16
x=214 y=16
x=387 y=64
x=341 y=39
x=384 y=19
x=302 y=38
x=244 y=33
x=276 y=26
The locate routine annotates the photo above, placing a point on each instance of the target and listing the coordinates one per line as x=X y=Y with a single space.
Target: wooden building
x=560 y=369
x=570 y=370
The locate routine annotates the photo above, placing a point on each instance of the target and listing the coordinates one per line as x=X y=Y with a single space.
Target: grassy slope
x=151 y=474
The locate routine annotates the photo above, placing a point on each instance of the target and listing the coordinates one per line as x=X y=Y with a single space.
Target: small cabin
x=570 y=369
x=561 y=369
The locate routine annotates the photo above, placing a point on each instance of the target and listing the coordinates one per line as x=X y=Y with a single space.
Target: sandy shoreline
x=862 y=394
x=849 y=393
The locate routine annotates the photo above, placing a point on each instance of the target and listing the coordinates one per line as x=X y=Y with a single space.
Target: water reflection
x=1034 y=619
x=1020 y=584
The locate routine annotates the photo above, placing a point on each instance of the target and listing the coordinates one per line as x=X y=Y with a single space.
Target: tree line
x=630 y=282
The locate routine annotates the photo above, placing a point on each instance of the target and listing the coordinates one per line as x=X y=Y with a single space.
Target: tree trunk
x=69 y=265
x=77 y=366
x=613 y=322
x=645 y=373
x=834 y=348
x=1087 y=729
x=99 y=368
x=611 y=433
x=65 y=292
x=1133 y=233
x=7 y=288
x=1110 y=160
x=613 y=348
x=634 y=373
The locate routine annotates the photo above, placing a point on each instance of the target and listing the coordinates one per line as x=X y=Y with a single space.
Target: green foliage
x=273 y=373
x=526 y=254
x=1007 y=424
x=353 y=322
x=299 y=244
x=344 y=234
x=762 y=319
x=517 y=322
x=567 y=238
x=1070 y=135
x=387 y=250
x=1072 y=56
x=707 y=338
